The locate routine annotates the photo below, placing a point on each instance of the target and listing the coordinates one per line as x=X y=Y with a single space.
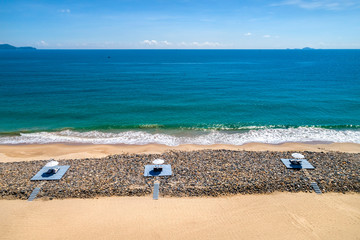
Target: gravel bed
x=196 y=173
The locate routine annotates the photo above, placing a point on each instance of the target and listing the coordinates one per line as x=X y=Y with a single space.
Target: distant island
x=308 y=48
x=10 y=47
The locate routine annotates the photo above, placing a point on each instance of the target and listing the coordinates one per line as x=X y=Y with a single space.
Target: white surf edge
x=270 y=136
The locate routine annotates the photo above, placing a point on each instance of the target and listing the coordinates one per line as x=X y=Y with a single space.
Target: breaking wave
x=142 y=137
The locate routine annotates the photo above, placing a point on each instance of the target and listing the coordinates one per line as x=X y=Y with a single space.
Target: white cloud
x=211 y=44
x=65 y=10
x=150 y=42
x=42 y=43
x=202 y=44
x=319 y=4
x=166 y=43
x=156 y=43
x=195 y=44
x=248 y=34
x=267 y=36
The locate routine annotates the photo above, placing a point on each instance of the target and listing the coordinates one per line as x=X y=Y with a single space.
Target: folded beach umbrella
x=51 y=164
x=297 y=155
x=158 y=161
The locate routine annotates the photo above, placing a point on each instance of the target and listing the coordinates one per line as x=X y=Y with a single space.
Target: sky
x=181 y=24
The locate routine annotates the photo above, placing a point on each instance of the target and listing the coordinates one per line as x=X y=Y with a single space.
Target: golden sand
x=274 y=216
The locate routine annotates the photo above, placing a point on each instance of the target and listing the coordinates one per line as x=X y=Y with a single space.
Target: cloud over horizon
x=156 y=43
x=195 y=44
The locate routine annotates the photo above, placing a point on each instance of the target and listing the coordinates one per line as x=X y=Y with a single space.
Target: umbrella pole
x=156 y=189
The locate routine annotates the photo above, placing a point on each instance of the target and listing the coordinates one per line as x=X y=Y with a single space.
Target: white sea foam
x=272 y=136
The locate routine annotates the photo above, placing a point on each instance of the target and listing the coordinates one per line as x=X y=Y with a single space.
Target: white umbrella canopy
x=51 y=164
x=158 y=161
x=297 y=155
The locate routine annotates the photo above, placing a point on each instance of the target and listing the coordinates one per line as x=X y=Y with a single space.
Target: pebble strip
x=196 y=173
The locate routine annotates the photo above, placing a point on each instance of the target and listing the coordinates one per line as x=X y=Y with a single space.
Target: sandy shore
x=252 y=216
x=273 y=216
x=12 y=153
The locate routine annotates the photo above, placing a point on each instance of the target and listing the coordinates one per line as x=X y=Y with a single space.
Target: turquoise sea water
x=179 y=96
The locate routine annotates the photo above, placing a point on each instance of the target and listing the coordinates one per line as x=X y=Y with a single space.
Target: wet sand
x=270 y=216
x=14 y=153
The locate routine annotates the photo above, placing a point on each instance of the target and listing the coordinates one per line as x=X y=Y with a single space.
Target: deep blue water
x=179 y=96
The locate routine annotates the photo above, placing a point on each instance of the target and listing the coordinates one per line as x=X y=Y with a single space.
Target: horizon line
x=306 y=49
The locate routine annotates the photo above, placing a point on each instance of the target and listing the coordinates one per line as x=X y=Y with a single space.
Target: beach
x=204 y=206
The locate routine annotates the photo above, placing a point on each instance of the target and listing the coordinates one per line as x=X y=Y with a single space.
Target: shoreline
x=15 y=153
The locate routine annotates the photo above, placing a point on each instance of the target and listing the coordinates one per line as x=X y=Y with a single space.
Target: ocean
x=175 y=97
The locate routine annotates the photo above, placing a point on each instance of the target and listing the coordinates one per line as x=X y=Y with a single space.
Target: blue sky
x=177 y=24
